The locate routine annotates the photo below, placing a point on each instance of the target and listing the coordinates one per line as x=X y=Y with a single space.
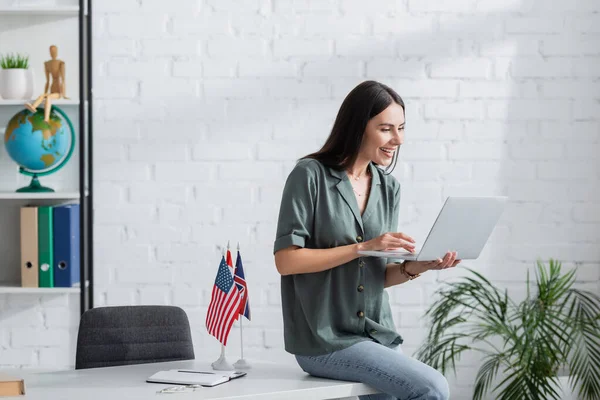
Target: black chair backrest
x=124 y=335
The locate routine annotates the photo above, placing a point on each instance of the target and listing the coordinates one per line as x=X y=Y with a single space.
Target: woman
x=336 y=202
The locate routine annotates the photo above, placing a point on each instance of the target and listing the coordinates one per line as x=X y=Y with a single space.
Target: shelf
x=40 y=196
x=15 y=288
x=57 y=10
x=61 y=102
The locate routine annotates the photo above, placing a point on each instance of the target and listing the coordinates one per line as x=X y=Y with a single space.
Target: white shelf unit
x=30 y=27
x=14 y=288
x=39 y=196
x=59 y=102
x=71 y=11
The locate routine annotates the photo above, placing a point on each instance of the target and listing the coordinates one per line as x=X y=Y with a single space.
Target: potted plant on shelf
x=555 y=328
x=16 y=78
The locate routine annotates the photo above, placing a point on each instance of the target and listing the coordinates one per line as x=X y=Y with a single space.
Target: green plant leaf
x=555 y=327
x=584 y=362
x=10 y=60
x=486 y=374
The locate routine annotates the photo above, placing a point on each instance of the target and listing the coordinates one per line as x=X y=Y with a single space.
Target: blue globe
x=39 y=147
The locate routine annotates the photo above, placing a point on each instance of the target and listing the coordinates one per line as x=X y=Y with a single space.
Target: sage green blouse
x=333 y=309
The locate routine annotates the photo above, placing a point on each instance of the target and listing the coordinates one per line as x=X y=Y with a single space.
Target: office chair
x=124 y=335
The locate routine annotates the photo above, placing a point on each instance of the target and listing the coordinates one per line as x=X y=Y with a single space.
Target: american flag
x=224 y=305
x=240 y=281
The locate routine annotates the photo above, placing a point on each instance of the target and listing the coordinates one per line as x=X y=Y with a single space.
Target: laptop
x=464 y=225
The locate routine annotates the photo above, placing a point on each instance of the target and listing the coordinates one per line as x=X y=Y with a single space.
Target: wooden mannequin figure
x=54 y=69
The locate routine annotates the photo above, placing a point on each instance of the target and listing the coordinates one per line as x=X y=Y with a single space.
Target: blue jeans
x=396 y=375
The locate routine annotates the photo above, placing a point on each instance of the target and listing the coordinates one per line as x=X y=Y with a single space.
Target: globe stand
x=35 y=187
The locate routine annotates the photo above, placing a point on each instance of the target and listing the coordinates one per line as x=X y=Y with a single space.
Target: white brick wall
x=203 y=106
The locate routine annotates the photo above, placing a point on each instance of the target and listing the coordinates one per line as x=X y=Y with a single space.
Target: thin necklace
x=359 y=194
x=356 y=178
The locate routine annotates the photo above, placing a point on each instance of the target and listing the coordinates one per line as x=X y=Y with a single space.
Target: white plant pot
x=30 y=84
x=16 y=84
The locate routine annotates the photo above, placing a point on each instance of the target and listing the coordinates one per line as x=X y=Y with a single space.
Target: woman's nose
x=397 y=139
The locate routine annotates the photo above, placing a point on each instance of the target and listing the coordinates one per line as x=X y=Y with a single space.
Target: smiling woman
x=336 y=202
x=372 y=111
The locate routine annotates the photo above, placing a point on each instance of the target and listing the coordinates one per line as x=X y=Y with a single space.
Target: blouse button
x=360 y=288
x=360 y=314
x=359 y=238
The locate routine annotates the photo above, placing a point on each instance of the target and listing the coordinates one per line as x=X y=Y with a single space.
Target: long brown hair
x=363 y=102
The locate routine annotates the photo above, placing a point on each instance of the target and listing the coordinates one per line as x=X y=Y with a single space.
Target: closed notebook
x=66 y=245
x=194 y=377
x=11 y=386
x=45 y=246
x=29 y=247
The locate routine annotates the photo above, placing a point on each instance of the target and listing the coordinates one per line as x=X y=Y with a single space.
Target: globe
x=38 y=147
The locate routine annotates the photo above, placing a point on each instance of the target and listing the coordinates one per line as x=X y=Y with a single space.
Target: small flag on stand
x=224 y=305
x=240 y=281
x=229 y=260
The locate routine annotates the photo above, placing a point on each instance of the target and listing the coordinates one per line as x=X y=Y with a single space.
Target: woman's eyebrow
x=388 y=124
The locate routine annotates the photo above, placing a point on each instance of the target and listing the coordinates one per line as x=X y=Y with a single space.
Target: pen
x=195 y=372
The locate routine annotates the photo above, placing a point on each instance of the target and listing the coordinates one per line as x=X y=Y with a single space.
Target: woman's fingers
x=404 y=236
x=445 y=262
x=401 y=244
x=454 y=262
x=451 y=257
x=436 y=264
x=408 y=246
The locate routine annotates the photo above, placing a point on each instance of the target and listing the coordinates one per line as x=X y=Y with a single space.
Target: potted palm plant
x=556 y=327
x=15 y=77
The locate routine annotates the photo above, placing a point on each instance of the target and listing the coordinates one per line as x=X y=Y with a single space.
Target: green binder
x=45 y=246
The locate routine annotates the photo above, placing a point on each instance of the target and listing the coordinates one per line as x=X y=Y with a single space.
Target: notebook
x=194 y=377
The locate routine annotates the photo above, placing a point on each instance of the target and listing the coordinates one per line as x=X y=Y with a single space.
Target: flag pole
x=242 y=337
x=221 y=363
x=241 y=363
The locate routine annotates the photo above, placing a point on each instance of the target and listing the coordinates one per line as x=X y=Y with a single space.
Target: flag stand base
x=222 y=365
x=242 y=364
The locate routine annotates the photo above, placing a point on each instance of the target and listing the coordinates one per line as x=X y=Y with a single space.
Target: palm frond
x=552 y=286
x=519 y=384
x=585 y=350
x=514 y=386
x=486 y=375
x=444 y=352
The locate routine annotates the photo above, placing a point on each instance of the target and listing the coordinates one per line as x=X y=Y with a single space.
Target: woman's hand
x=390 y=240
x=418 y=267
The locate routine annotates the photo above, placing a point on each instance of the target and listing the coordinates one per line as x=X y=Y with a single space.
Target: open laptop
x=464 y=225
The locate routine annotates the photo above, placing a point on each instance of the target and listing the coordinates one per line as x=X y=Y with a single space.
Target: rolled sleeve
x=292 y=239
x=296 y=213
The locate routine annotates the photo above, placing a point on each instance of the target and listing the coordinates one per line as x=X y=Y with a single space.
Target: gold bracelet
x=404 y=272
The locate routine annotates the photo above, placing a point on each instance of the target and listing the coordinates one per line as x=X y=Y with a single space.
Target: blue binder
x=66 y=245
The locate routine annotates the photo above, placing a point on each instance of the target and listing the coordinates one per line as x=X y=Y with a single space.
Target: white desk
x=268 y=381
